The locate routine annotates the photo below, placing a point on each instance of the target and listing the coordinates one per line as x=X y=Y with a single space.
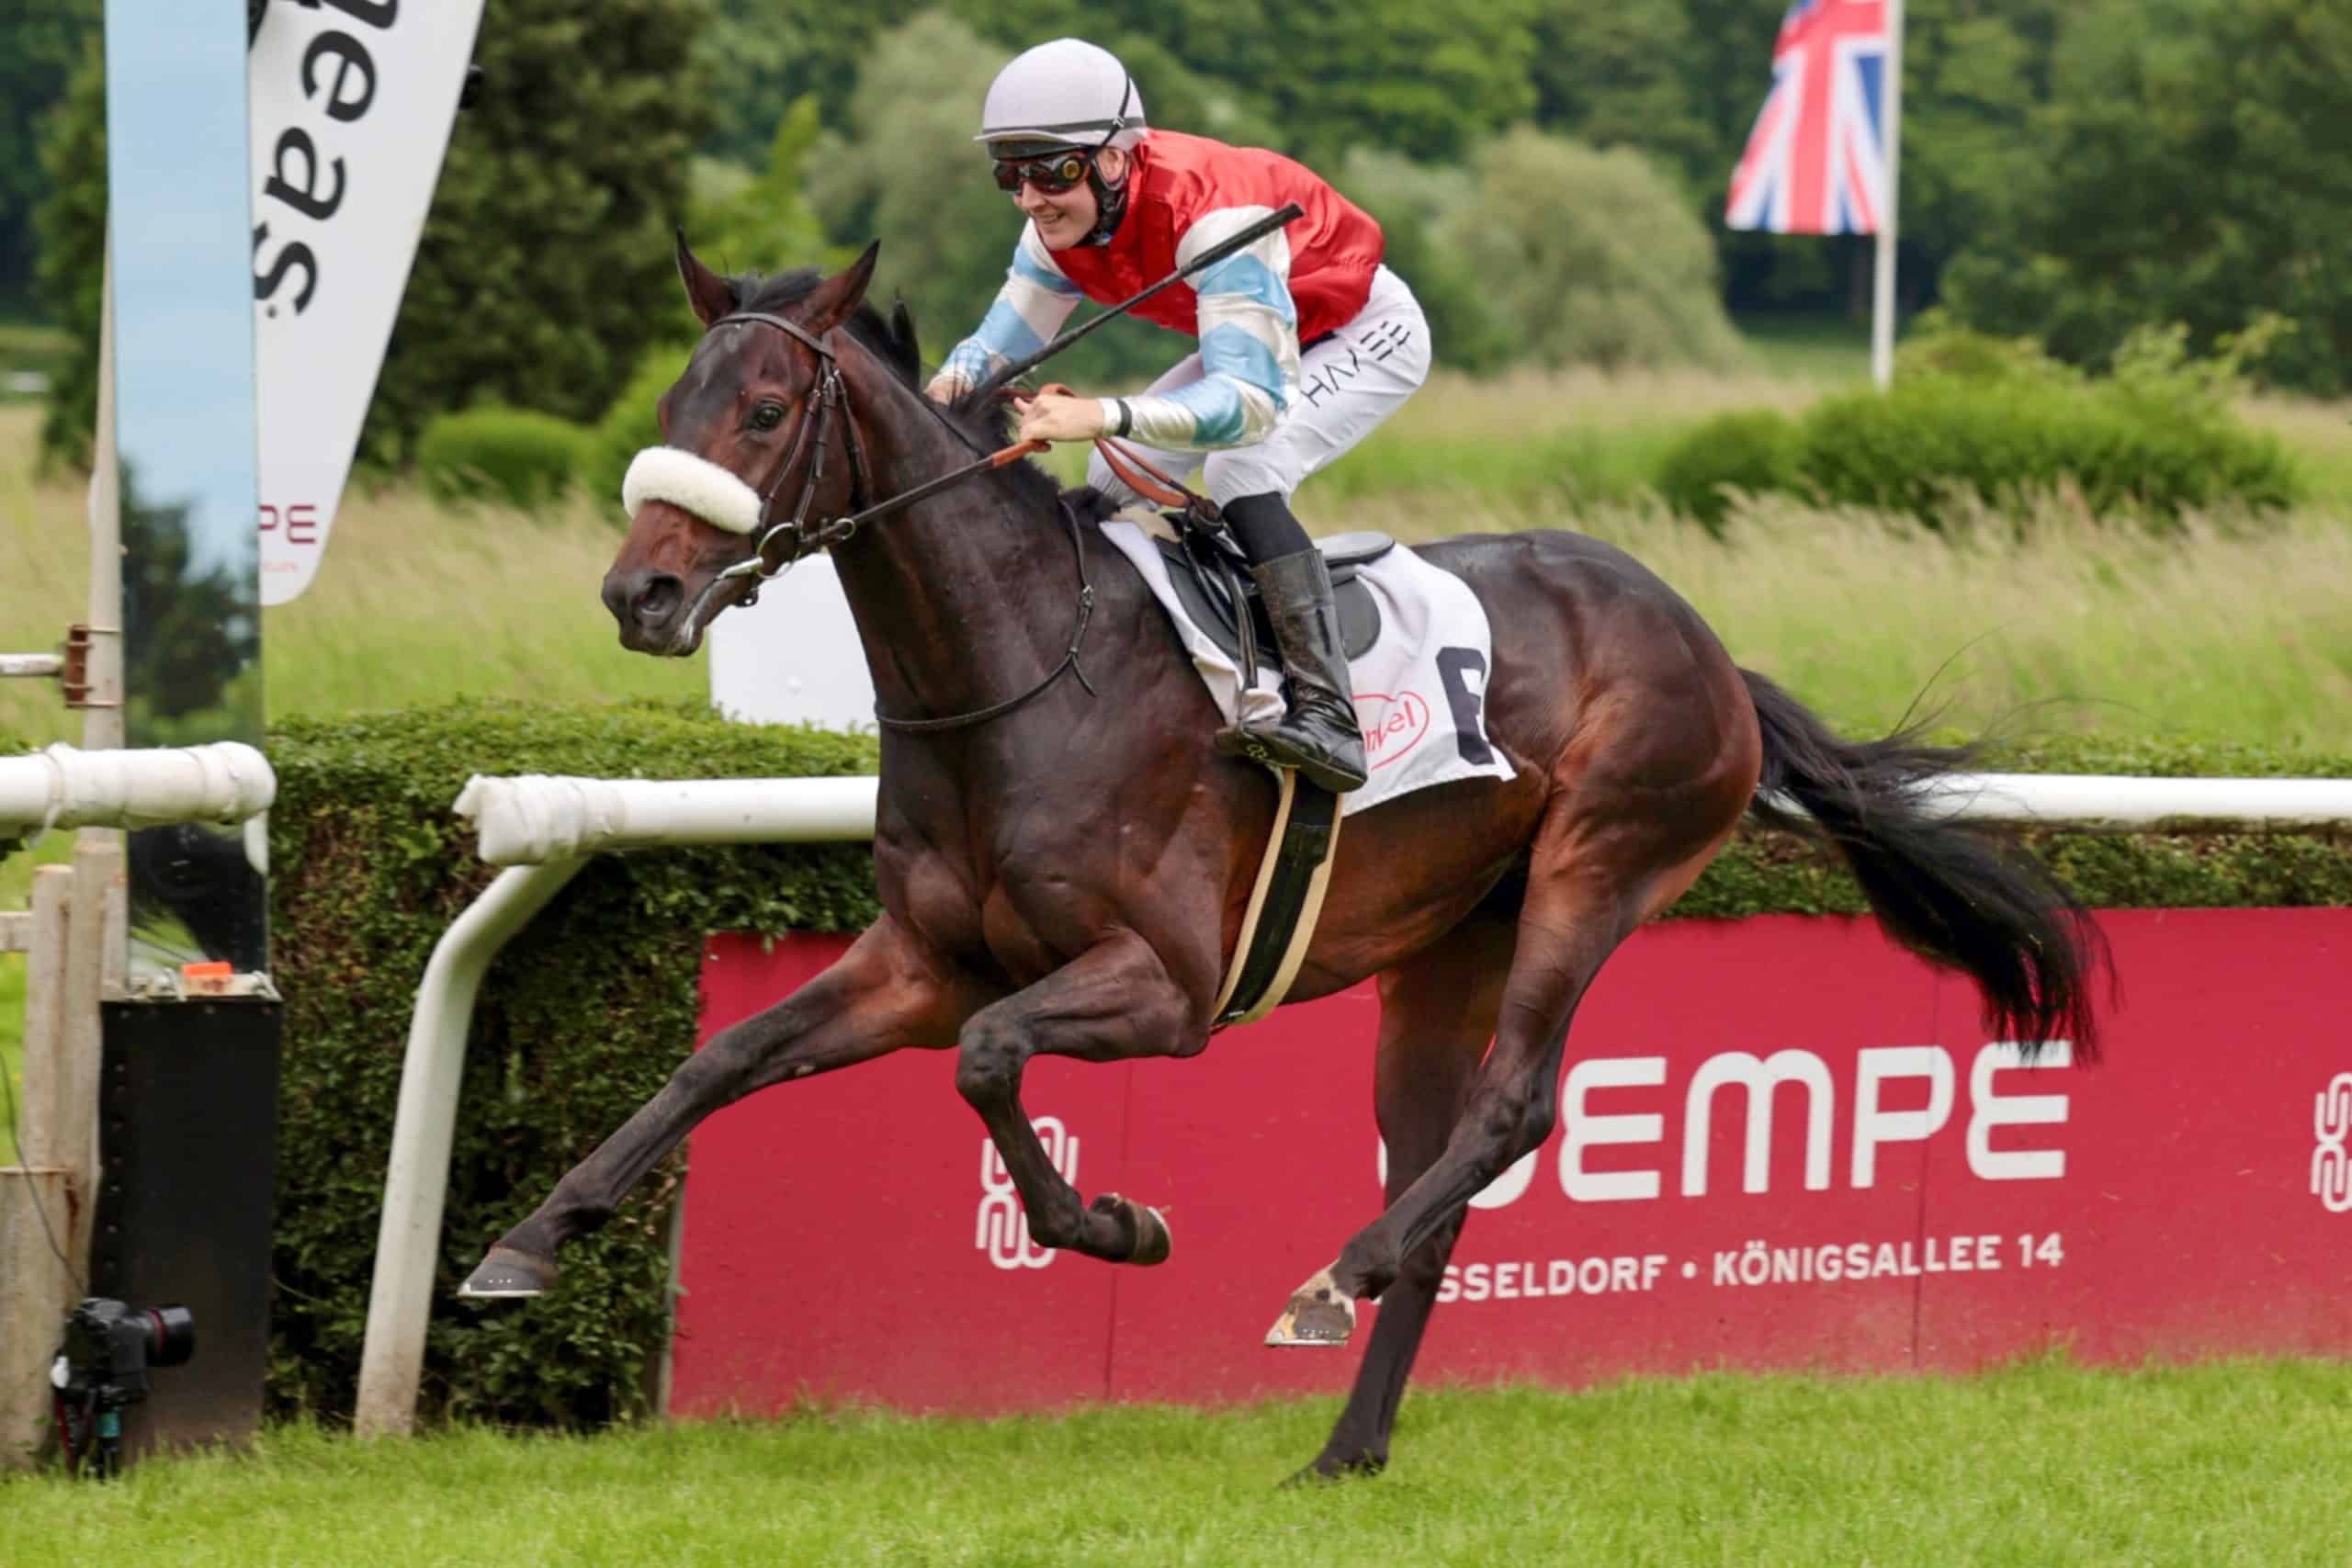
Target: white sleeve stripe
x=1211 y=228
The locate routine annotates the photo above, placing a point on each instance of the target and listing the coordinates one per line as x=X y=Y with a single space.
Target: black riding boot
x=1317 y=735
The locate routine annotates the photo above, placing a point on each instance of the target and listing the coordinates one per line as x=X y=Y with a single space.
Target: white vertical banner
x=352 y=103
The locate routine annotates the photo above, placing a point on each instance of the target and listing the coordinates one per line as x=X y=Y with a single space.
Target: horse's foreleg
x=880 y=996
x=1437 y=1013
x=1573 y=918
x=1115 y=1001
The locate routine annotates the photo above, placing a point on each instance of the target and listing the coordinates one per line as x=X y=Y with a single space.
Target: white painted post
x=98 y=876
x=44 y=1019
x=35 y=1293
x=408 y=1239
x=37 y=1195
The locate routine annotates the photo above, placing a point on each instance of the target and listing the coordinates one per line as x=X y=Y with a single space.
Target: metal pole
x=102 y=720
x=1882 y=280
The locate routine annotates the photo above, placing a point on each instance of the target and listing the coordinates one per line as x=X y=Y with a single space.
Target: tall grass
x=2220 y=631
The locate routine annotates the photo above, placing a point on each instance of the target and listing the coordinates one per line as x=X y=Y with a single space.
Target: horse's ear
x=710 y=295
x=830 y=301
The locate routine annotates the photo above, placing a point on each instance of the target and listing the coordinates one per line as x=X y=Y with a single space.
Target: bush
x=1755 y=453
x=2123 y=449
x=526 y=460
x=627 y=428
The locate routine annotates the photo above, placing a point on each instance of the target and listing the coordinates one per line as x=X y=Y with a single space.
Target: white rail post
x=35 y=1196
x=408 y=1240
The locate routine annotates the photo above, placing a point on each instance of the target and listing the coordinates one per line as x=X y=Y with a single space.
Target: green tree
x=1591 y=257
x=45 y=40
x=759 y=57
x=907 y=174
x=1426 y=78
x=1613 y=76
x=746 y=221
x=2183 y=173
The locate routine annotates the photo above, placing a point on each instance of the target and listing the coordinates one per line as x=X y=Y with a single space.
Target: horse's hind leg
x=878 y=997
x=1437 y=1013
x=1593 y=878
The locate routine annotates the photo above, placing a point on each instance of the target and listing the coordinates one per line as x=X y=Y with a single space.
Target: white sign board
x=351 y=104
x=793 y=658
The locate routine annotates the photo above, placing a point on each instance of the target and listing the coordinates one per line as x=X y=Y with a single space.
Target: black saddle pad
x=1201 y=566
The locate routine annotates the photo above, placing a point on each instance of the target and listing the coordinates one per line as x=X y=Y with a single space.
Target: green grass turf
x=2036 y=1464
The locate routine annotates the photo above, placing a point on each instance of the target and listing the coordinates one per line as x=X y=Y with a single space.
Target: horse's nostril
x=658 y=599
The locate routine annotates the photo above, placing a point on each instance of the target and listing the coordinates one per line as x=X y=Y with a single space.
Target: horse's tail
x=1957 y=893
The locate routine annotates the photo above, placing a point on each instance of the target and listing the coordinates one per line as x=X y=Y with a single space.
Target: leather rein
x=833 y=394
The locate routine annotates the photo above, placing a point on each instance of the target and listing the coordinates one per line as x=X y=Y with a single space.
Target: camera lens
x=171 y=1335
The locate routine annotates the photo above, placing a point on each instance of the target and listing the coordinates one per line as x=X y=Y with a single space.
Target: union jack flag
x=1816 y=162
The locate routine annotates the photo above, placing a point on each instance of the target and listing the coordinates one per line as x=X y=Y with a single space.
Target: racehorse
x=1064 y=861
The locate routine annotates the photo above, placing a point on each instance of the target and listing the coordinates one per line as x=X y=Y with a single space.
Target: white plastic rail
x=543 y=827
x=67 y=787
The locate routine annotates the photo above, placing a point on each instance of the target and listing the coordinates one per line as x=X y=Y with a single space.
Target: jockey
x=1307 y=341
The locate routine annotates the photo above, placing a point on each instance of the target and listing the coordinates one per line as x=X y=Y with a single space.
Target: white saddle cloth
x=1420 y=689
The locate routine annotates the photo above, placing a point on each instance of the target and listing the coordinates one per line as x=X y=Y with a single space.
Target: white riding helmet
x=1067 y=93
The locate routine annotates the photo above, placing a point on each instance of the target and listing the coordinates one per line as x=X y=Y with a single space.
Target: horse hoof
x=1146 y=1223
x=1330 y=1471
x=1318 y=1314
x=508 y=1275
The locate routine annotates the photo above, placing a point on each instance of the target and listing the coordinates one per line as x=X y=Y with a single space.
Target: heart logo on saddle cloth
x=1418 y=642
x=1392 y=724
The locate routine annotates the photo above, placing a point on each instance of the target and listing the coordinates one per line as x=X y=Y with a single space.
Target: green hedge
x=1753 y=452
x=1998 y=421
x=579 y=1022
x=2009 y=440
x=523 y=459
x=587 y=1013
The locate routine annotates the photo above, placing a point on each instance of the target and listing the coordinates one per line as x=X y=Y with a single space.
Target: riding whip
x=1210 y=257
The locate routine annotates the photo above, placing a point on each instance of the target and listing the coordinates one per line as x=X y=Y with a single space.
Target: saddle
x=1208 y=570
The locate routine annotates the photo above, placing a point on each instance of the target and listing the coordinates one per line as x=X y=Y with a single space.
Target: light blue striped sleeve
x=1248 y=327
x=1036 y=301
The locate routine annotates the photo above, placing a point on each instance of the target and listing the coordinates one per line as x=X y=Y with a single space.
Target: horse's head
x=756 y=432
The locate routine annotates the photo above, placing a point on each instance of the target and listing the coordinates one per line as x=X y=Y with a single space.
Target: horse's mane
x=892 y=339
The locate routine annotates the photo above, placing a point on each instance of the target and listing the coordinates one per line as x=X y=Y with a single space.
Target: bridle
x=830 y=394
x=833 y=394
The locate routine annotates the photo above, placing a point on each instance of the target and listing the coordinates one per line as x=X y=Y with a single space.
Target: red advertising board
x=1784 y=1143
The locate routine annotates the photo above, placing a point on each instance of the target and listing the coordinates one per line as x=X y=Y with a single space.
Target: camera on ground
x=102 y=1367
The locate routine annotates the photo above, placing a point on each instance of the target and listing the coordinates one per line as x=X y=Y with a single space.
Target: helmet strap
x=1110 y=200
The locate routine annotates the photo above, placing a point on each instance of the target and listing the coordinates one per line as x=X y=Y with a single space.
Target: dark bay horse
x=1069 y=877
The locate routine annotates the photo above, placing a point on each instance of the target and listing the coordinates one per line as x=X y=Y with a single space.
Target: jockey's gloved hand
x=947 y=387
x=1056 y=416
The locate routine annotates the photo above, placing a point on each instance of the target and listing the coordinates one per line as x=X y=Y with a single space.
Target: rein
x=815 y=424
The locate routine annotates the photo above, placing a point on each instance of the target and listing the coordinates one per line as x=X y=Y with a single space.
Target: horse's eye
x=767 y=415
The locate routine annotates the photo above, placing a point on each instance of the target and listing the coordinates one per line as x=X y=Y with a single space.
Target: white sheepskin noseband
x=696 y=484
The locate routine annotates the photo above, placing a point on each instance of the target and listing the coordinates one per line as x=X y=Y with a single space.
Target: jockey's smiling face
x=1066 y=217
